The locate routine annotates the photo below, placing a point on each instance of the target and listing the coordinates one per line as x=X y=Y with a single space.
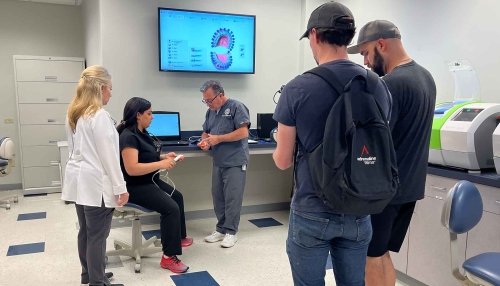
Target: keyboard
x=175 y=143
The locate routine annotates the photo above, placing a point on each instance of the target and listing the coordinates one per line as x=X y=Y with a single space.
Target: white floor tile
x=258 y=258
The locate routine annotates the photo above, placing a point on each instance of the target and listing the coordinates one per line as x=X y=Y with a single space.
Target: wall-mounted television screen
x=200 y=41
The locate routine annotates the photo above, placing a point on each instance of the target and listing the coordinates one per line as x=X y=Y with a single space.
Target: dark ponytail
x=132 y=107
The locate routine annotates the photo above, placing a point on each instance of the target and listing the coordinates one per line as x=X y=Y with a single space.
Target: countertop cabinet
x=44 y=88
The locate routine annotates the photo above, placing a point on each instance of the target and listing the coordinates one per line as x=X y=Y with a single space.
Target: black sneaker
x=109 y=275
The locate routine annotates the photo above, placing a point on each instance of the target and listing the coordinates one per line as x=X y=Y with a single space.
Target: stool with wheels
x=137 y=249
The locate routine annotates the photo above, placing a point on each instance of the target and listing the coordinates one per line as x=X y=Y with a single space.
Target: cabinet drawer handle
x=51 y=120
x=56 y=183
x=439 y=198
x=54 y=163
x=50 y=78
x=51 y=99
x=439 y=188
x=52 y=141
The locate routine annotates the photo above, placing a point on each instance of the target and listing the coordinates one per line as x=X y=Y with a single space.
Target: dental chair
x=7 y=155
x=137 y=249
x=462 y=211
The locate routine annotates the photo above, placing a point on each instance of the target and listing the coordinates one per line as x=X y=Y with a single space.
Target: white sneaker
x=229 y=240
x=214 y=237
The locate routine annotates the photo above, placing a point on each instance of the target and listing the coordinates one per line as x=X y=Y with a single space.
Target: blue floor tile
x=26 y=248
x=35 y=195
x=30 y=216
x=150 y=233
x=265 y=222
x=202 y=278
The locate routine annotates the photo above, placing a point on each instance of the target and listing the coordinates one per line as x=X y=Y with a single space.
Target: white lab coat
x=93 y=171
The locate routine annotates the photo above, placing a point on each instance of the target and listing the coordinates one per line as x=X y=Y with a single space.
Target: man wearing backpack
x=315 y=229
x=414 y=94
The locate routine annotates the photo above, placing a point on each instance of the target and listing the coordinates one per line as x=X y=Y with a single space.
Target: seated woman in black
x=140 y=162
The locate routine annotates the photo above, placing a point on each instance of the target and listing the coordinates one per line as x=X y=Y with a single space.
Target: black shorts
x=389 y=228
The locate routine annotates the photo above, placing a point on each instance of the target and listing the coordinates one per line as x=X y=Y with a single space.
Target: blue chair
x=462 y=211
x=137 y=249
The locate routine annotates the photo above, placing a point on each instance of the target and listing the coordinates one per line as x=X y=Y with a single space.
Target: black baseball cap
x=328 y=16
x=374 y=30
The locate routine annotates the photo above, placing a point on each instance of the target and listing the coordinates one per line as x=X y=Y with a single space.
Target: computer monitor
x=166 y=125
x=265 y=123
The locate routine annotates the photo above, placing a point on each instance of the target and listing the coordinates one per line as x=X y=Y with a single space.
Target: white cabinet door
x=36 y=177
x=485 y=237
x=32 y=135
x=491 y=198
x=429 y=247
x=42 y=114
x=48 y=70
x=45 y=92
x=40 y=156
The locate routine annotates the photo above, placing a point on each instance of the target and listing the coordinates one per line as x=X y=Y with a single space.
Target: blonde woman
x=93 y=178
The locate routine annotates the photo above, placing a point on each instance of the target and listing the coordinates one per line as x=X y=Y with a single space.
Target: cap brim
x=306 y=33
x=353 y=49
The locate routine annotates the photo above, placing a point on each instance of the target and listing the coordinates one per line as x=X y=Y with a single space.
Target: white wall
x=91 y=12
x=28 y=28
x=130 y=52
x=436 y=32
x=122 y=35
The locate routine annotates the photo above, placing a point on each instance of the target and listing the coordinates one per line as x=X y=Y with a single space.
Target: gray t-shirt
x=231 y=116
x=305 y=103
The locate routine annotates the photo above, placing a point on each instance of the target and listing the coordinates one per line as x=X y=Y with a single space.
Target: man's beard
x=378 y=63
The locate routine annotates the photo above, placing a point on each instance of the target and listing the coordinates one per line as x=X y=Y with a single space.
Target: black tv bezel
x=206 y=12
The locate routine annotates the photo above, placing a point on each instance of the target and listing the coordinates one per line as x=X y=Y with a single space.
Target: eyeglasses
x=209 y=101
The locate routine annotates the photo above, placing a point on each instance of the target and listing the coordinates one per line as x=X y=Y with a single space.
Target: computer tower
x=265 y=123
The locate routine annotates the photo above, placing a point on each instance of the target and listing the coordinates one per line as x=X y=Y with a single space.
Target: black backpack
x=354 y=168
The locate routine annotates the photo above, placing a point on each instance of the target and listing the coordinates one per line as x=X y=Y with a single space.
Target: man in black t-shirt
x=414 y=94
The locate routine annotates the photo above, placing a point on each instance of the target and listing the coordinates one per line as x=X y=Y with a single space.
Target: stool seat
x=485 y=266
x=137 y=249
x=131 y=208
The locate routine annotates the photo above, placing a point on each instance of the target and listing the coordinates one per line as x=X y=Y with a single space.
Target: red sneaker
x=187 y=241
x=173 y=264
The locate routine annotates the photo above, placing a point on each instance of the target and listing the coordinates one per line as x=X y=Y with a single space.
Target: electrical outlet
x=8 y=121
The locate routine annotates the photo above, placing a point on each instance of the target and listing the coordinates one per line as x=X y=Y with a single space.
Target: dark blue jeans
x=311 y=236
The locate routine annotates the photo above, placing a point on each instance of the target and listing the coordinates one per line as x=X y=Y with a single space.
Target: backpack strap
x=371 y=81
x=371 y=84
x=332 y=80
x=327 y=75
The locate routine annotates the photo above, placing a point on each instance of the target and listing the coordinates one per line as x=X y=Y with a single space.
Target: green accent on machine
x=439 y=121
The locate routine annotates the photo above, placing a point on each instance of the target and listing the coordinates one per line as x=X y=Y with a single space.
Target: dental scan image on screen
x=206 y=42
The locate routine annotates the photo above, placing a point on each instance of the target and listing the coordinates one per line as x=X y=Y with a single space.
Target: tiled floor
x=38 y=247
